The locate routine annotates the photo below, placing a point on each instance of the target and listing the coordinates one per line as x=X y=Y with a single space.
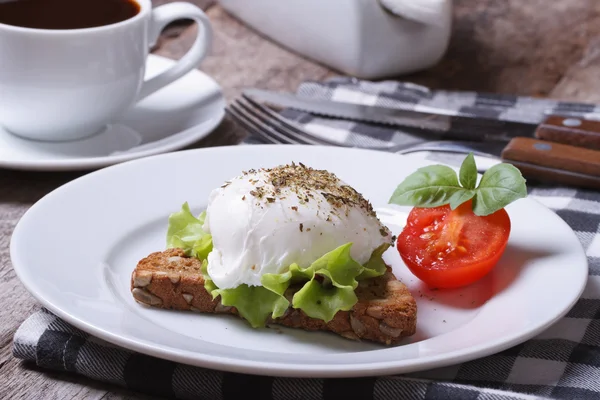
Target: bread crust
x=385 y=313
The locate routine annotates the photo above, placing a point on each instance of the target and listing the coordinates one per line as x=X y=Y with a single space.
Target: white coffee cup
x=59 y=85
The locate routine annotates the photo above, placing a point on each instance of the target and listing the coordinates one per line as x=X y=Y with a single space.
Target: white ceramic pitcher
x=361 y=38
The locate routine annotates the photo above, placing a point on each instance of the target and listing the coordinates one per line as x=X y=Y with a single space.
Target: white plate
x=173 y=117
x=76 y=248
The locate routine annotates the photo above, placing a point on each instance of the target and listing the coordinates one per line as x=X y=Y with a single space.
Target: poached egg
x=264 y=220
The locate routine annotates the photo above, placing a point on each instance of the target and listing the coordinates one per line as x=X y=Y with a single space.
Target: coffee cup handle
x=161 y=17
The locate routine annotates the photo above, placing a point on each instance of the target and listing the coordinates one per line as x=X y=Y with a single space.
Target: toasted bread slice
x=386 y=312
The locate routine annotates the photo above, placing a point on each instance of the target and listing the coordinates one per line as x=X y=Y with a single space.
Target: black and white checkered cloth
x=561 y=363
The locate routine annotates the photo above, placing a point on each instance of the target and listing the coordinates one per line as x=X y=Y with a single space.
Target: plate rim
x=269 y=368
x=87 y=163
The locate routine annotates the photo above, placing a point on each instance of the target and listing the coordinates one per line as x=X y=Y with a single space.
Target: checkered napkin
x=563 y=362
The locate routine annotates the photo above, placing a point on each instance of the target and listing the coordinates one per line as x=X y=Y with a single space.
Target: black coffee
x=66 y=14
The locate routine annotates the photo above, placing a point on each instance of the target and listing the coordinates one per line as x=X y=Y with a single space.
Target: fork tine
x=255 y=127
x=285 y=126
x=251 y=129
x=259 y=120
x=274 y=127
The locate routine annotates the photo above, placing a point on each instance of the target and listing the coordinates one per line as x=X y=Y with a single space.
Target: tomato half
x=451 y=248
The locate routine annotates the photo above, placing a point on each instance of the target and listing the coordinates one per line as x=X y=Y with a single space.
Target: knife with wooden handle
x=546 y=161
x=570 y=130
x=441 y=124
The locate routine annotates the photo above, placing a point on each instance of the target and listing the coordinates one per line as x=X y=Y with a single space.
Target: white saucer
x=170 y=119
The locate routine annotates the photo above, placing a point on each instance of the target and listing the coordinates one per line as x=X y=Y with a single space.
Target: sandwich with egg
x=288 y=245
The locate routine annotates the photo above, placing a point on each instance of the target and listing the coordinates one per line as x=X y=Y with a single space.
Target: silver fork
x=273 y=128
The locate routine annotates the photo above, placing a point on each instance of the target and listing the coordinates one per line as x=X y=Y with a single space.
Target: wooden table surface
x=533 y=47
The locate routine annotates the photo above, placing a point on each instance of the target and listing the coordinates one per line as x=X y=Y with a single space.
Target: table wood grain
x=533 y=47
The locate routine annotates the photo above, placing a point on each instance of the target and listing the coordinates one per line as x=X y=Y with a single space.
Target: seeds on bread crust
x=357 y=326
x=388 y=330
x=145 y=297
x=375 y=312
x=188 y=297
x=220 y=308
x=142 y=278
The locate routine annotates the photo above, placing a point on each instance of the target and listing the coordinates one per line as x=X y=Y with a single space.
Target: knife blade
x=561 y=129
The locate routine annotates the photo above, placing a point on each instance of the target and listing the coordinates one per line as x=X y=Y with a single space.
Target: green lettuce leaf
x=330 y=286
x=326 y=287
x=254 y=303
x=209 y=285
x=185 y=232
x=375 y=266
x=322 y=301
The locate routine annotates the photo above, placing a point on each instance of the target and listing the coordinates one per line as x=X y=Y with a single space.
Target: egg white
x=254 y=235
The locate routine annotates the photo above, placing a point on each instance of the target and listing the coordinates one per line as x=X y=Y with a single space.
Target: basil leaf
x=430 y=186
x=438 y=185
x=499 y=186
x=468 y=173
x=460 y=197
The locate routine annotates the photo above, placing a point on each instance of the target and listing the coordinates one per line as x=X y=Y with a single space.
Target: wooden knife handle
x=552 y=176
x=570 y=130
x=554 y=162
